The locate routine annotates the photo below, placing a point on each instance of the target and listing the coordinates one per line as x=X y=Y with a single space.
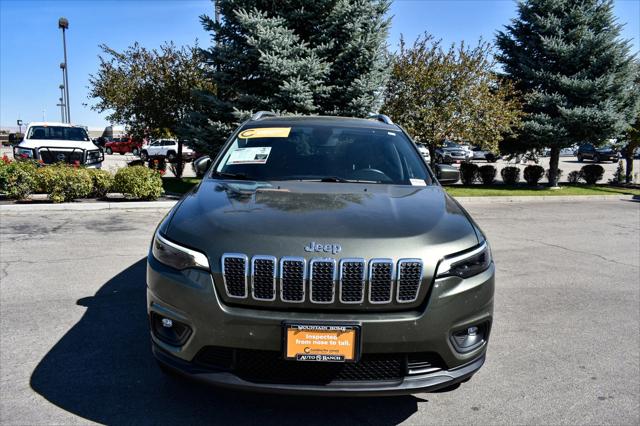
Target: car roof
x=52 y=123
x=319 y=120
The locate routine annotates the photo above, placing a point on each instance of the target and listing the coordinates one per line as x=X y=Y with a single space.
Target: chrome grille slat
x=263 y=278
x=352 y=280
x=409 y=280
x=235 y=268
x=293 y=271
x=322 y=280
x=380 y=281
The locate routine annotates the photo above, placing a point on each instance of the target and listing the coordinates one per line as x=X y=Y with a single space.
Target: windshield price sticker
x=324 y=343
x=256 y=155
x=265 y=132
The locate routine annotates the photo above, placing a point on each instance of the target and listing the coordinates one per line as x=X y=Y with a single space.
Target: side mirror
x=201 y=165
x=447 y=174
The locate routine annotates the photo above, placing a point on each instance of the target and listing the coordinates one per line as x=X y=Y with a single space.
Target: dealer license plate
x=321 y=343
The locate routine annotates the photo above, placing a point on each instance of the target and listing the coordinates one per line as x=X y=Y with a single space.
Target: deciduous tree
x=149 y=90
x=439 y=94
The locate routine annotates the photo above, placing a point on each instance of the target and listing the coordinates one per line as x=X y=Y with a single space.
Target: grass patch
x=174 y=185
x=514 y=191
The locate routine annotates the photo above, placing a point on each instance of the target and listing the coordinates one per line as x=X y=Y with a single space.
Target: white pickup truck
x=166 y=148
x=52 y=143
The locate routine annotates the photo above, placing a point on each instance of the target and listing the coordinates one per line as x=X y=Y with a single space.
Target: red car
x=123 y=145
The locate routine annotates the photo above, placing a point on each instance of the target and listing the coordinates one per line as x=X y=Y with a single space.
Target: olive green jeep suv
x=320 y=255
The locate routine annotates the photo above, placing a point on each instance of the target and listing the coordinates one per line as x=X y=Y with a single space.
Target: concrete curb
x=138 y=205
x=543 y=198
x=122 y=205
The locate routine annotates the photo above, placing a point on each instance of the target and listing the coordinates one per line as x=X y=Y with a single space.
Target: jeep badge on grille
x=326 y=248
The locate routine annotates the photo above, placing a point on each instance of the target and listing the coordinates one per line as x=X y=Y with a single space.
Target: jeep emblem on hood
x=326 y=248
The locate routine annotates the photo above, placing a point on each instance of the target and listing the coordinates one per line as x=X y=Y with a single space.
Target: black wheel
x=439 y=159
x=596 y=159
x=135 y=151
x=580 y=159
x=109 y=151
x=144 y=155
x=171 y=155
x=122 y=153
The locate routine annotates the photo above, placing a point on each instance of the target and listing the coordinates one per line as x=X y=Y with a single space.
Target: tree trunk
x=629 y=169
x=179 y=164
x=554 y=159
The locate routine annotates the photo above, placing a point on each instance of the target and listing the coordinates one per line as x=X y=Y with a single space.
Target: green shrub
x=574 y=176
x=560 y=173
x=64 y=183
x=18 y=178
x=468 y=173
x=487 y=174
x=510 y=175
x=533 y=174
x=592 y=173
x=138 y=182
x=102 y=182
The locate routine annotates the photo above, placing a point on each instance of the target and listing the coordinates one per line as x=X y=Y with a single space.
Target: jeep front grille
x=409 y=278
x=352 y=280
x=322 y=280
x=380 y=280
x=234 y=272
x=263 y=278
x=292 y=274
x=325 y=281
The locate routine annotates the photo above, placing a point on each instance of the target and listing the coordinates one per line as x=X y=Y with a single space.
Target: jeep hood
x=282 y=218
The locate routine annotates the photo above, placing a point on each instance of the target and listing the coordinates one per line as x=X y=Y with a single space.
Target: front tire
x=109 y=151
x=135 y=151
x=171 y=156
x=596 y=159
x=144 y=156
x=580 y=159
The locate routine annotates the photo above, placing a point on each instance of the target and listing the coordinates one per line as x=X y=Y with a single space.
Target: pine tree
x=575 y=71
x=293 y=57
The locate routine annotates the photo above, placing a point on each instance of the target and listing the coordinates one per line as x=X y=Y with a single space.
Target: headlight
x=19 y=153
x=178 y=257
x=466 y=265
x=95 y=156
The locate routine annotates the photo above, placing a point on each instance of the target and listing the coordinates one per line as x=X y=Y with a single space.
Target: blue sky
x=31 y=45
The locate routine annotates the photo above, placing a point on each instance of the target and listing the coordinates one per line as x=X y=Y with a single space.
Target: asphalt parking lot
x=564 y=347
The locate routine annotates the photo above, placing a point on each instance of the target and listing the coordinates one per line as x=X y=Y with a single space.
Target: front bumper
x=409 y=385
x=190 y=297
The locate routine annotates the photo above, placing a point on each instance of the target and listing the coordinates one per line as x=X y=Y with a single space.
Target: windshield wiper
x=239 y=176
x=338 y=180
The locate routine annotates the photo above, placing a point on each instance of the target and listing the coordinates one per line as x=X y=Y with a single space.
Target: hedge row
x=532 y=174
x=63 y=182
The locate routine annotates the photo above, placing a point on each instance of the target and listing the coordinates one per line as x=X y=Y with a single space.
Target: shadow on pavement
x=102 y=370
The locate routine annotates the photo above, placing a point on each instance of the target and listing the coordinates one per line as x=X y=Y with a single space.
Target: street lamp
x=63 y=24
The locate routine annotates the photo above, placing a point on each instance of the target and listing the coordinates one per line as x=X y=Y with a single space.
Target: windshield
x=321 y=152
x=58 y=132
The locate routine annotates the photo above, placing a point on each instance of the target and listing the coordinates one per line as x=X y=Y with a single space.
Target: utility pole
x=63 y=24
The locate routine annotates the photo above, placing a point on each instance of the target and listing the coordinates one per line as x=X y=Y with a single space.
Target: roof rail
x=261 y=114
x=380 y=117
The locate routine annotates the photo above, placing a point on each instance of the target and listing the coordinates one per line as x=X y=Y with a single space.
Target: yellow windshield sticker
x=265 y=132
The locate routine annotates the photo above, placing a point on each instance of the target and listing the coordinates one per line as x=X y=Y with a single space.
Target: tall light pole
x=63 y=24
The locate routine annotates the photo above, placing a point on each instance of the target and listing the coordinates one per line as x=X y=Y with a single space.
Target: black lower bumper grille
x=269 y=367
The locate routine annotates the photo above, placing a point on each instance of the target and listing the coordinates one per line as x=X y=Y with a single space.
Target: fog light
x=469 y=339
x=169 y=330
